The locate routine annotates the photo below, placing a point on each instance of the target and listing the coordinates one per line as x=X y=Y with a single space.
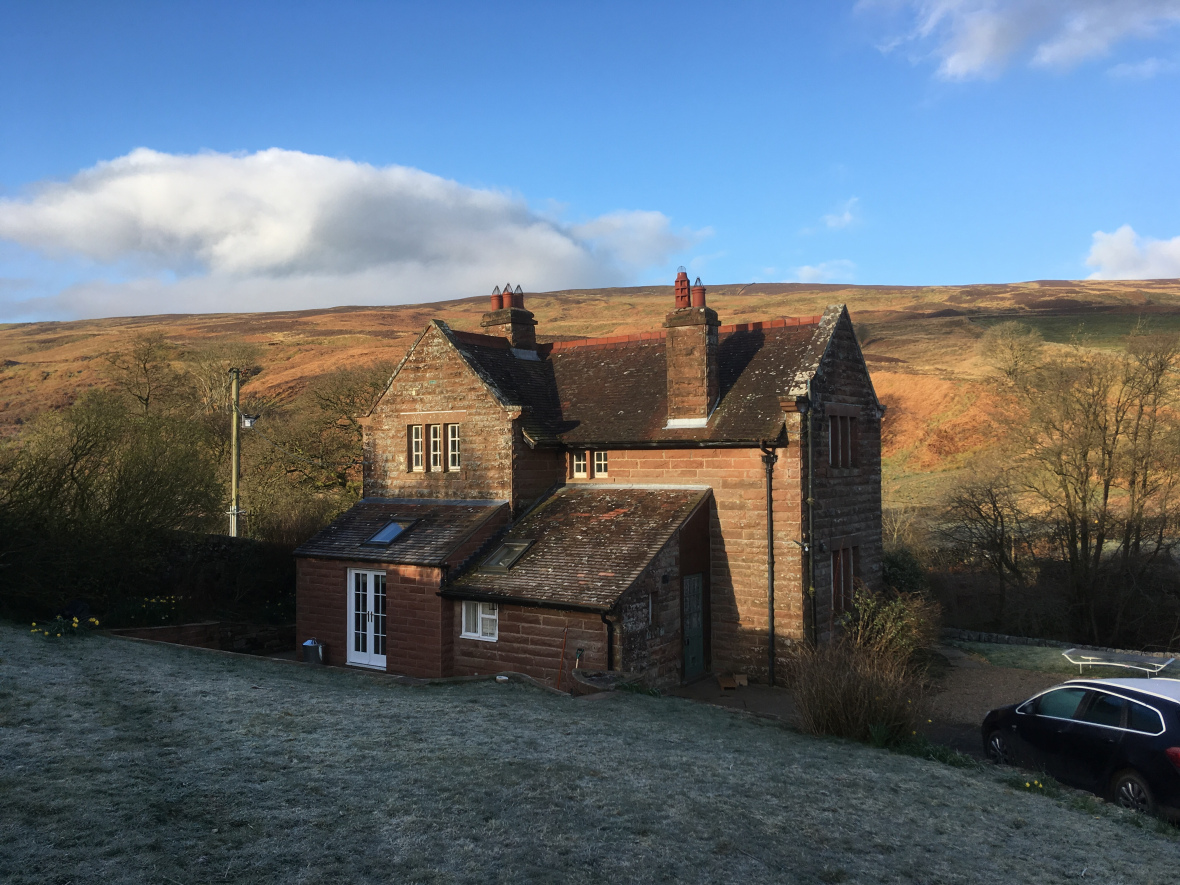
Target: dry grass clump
x=867 y=685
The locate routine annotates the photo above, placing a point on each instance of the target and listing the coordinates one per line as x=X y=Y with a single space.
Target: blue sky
x=172 y=157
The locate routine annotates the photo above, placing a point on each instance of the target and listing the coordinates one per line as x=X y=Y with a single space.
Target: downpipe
x=769 y=459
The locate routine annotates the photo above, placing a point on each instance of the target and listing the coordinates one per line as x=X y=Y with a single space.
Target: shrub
x=893 y=625
x=902 y=572
x=846 y=690
x=865 y=685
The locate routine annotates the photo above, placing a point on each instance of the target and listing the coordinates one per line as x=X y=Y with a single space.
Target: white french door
x=366 y=618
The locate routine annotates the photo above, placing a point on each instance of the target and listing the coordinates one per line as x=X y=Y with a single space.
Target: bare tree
x=144 y=370
x=1094 y=446
x=983 y=519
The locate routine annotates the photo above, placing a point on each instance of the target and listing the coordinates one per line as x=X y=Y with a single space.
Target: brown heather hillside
x=920 y=343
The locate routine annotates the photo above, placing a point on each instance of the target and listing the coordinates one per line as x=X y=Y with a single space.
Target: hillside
x=919 y=342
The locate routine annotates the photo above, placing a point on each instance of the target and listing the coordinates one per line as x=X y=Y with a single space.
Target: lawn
x=134 y=762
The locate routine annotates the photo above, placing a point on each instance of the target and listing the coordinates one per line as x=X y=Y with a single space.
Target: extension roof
x=439 y=528
x=612 y=392
x=590 y=544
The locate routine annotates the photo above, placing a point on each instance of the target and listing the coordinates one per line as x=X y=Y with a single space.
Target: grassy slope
x=919 y=341
x=127 y=762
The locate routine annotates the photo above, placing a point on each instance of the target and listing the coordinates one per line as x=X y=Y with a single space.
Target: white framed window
x=436 y=458
x=578 y=464
x=481 y=620
x=454 y=459
x=600 y=464
x=416 y=459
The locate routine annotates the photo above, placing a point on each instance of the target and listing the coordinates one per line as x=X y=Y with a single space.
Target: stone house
x=667 y=504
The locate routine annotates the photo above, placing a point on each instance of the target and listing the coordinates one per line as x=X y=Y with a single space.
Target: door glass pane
x=1062 y=703
x=1105 y=709
x=360 y=599
x=379 y=614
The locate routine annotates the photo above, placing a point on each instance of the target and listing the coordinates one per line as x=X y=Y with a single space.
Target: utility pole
x=236 y=453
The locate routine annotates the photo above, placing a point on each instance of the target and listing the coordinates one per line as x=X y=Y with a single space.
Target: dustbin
x=313 y=652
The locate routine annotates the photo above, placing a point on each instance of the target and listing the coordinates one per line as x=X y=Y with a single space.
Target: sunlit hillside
x=920 y=343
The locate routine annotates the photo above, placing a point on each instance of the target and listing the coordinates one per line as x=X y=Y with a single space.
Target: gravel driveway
x=971 y=688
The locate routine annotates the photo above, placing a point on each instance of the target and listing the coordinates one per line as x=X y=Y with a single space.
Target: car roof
x=1159 y=687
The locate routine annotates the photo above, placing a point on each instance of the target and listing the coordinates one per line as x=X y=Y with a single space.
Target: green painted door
x=694 y=625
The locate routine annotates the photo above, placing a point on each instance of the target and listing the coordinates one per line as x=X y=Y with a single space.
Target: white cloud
x=844 y=215
x=1143 y=70
x=282 y=229
x=839 y=271
x=978 y=38
x=1124 y=255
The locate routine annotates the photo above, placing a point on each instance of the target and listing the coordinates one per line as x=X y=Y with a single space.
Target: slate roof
x=590 y=545
x=440 y=528
x=611 y=392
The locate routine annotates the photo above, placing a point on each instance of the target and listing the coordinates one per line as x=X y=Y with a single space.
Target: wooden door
x=366 y=618
x=693 y=625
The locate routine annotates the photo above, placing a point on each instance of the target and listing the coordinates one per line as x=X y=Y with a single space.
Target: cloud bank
x=978 y=38
x=281 y=229
x=1124 y=255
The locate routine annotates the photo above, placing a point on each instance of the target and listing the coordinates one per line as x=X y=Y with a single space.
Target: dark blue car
x=1119 y=738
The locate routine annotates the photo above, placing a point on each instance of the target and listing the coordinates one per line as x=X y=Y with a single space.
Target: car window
x=1061 y=703
x=1105 y=709
x=1142 y=718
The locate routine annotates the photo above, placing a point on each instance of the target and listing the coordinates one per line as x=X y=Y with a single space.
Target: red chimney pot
x=682 y=296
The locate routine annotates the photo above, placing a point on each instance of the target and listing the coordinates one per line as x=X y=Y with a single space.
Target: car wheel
x=1131 y=791
x=998 y=749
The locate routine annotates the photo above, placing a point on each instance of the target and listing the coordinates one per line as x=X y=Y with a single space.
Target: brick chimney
x=509 y=319
x=691 y=351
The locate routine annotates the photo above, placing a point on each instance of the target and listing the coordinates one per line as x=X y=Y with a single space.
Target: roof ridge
x=481 y=339
x=755 y=326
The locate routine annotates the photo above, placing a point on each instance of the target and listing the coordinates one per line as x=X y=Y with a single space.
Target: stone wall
x=223 y=635
x=530 y=642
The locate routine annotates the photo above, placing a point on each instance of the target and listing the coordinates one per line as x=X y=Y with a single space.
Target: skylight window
x=391 y=532
x=505 y=556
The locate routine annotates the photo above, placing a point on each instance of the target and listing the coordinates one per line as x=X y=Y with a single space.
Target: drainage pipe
x=811 y=515
x=769 y=458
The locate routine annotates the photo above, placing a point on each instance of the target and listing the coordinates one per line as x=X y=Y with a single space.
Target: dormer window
x=578 y=465
x=505 y=556
x=389 y=533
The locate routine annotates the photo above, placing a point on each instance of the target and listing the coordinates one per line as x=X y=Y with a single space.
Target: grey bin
x=313 y=652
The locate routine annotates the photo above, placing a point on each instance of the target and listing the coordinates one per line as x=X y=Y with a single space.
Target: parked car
x=1119 y=738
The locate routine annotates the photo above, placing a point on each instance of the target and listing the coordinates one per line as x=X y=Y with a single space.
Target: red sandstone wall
x=738 y=606
x=437 y=387
x=530 y=641
x=321 y=605
x=653 y=648
x=850 y=510
x=418 y=628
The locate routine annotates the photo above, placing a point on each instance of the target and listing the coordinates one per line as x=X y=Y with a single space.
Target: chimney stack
x=509 y=318
x=681 y=288
x=694 y=385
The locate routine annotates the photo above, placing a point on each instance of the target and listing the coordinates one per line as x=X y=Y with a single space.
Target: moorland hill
x=920 y=342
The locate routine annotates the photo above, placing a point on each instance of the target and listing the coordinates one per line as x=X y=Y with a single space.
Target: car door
x=1041 y=724
x=1090 y=742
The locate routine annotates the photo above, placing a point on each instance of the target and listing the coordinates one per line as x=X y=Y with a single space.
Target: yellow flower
x=34 y=623
x=1026 y=783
